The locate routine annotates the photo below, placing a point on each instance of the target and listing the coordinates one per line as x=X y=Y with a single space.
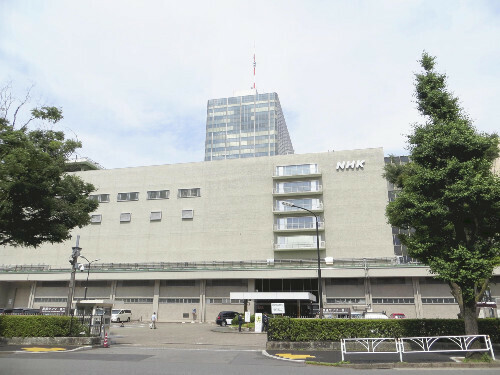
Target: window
x=177 y=283
x=135 y=300
x=227 y=282
x=52 y=284
x=187 y=214
x=125 y=217
x=124 y=197
x=95 y=219
x=224 y=301
x=50 y=299
x=189 y=193
x=294 y=170
x=393 y=300
x=101 y=198
x=346 y=300
x=137 y=283
x=179 y=300
x=155 y=216
x=438 y=300
x=158 y=194
x=345 y=281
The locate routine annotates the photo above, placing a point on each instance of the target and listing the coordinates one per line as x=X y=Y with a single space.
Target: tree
x=39 y=202
x=449 y=198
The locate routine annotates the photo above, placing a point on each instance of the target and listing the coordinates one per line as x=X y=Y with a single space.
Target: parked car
x=397 y=316
x=223 y=315
x=375 y=315
x=121 y=315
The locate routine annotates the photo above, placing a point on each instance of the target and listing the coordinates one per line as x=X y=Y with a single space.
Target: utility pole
x=74 y=264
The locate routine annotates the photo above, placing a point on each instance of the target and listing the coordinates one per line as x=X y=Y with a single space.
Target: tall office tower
x=248 y=125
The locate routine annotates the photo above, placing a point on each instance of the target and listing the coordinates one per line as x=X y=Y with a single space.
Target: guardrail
x=370 y=344
x=455 y=343
x=364 y=263
x=427 y=344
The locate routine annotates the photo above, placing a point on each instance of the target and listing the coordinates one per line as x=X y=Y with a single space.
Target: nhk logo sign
x=355 y=164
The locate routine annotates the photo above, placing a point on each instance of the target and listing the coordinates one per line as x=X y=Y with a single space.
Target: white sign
x=277 y=308
x=355 y=164
x=258 y=322
x=247 y=316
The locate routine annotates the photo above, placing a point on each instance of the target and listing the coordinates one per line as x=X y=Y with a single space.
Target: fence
x=431 y=344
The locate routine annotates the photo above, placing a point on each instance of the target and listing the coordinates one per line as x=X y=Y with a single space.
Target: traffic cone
x=106 y=344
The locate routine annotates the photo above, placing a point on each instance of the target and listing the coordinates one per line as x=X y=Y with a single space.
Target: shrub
x=39 y=326
x=287 y=329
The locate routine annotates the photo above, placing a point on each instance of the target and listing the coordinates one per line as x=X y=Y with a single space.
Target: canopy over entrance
x=274 y=296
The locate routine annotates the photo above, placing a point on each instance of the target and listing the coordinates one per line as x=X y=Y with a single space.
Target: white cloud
x=133 y=78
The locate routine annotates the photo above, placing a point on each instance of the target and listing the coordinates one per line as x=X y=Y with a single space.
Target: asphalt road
x=195 y=349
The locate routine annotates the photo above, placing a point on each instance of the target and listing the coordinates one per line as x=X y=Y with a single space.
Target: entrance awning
x=274 y=296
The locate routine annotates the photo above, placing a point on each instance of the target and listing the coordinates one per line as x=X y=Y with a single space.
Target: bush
x=287 y=329
x=39 y=326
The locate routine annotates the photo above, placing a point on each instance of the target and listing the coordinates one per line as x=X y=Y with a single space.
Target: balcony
x=279 y=209
x=284 y=172
x=299 y=227
x=298 y=246
x=297 y=190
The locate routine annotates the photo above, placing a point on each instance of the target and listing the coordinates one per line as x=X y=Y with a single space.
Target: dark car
x=223 y=315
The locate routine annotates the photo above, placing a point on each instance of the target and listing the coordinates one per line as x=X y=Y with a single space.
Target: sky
x=133 y=77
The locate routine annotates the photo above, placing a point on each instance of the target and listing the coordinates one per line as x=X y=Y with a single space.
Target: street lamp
x=88 y=273
x=320 y=286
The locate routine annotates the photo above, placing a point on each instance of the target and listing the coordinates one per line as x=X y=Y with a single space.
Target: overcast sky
x=133 y=77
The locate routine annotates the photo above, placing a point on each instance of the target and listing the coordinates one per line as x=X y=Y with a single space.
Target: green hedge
x=39 y=326
x=286 y=329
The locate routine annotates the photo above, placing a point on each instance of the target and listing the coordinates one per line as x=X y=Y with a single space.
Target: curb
x=266 y=354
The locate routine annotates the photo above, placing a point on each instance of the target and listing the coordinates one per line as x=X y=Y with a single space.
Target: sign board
x=247 y=316
x=51 y=310
x=277 y=308
x=258 y=322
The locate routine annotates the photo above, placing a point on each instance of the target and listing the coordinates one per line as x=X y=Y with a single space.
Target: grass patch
x=334 y=364
x=485 y=358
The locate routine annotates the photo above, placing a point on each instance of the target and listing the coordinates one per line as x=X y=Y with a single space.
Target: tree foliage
x=449 y=198
x=39 y=202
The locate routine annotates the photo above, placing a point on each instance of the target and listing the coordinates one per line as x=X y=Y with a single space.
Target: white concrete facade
x=222 y=229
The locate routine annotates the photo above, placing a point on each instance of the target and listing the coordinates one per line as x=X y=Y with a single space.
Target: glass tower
x=245 y=126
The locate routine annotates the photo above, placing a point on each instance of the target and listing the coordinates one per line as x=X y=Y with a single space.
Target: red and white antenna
x=254 y=65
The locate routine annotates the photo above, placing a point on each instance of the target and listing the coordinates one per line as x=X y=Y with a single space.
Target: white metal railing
x=418 y=345
x=278 y=207
x=299 y=226
x=312 y=170
x=298 y=189
x=298 y=245
x=370 y=344
x=455 y=344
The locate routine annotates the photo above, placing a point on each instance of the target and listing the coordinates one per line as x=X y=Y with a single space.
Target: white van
x=375 y=315
x=121 y=315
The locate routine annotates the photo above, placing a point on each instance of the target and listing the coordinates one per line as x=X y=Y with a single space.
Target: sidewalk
x=186 y=335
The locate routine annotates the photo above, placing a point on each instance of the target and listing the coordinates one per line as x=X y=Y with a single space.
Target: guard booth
x=95 y=314
x=337 y=313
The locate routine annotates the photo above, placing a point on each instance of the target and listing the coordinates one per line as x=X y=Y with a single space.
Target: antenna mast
x=254 y=65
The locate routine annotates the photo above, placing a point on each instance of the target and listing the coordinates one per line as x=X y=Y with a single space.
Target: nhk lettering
x=355 y=164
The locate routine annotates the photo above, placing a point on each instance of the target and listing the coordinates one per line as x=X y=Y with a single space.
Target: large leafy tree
x=39 y=202
x=449 y=197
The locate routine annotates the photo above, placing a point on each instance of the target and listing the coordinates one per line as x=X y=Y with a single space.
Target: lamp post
x=88 y=273
x=320 y=285
x=74 y=263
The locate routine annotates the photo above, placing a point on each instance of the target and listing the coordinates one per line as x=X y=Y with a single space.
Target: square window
x=187 y=214
x=125 y=217
x=155 y=216
x=96 y=219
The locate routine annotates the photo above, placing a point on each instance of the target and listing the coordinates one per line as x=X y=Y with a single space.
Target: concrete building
x=247 y=125
x=190 y=240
